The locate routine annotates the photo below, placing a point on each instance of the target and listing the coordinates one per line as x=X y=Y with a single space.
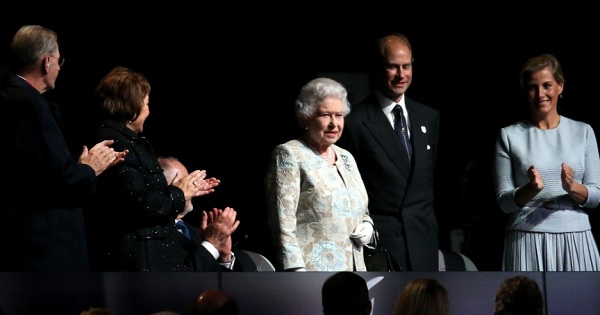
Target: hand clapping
x=217 y=227
x=535 y=179
x=101 y=156
x=566 y=177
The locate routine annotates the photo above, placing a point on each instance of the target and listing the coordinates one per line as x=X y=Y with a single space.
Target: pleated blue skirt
x=538 y=251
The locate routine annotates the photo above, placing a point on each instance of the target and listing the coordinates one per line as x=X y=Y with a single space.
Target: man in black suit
x=41 y=216
x=398 y=178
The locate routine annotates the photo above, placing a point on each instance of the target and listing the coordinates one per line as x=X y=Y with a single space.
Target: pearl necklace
x=327 y=158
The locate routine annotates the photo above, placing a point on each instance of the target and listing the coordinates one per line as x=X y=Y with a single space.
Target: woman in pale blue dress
x=317 y=202
x=547 y=173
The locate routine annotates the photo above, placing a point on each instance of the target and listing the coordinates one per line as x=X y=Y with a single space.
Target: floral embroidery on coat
x=314 y=207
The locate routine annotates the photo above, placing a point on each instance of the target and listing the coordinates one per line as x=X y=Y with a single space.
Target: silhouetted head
x=423 y=296
x=214 y=302
x=345 y=293
x=95 y=311
x=519 y=295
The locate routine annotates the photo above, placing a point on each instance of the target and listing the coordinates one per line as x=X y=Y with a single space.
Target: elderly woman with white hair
x=316 y=199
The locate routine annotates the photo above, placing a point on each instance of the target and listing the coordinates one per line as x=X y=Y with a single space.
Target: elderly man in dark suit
x=394 y=140
x=41 y=216
x=210 y=247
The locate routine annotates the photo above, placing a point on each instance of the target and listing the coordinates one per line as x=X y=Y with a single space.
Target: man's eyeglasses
x=61 y=61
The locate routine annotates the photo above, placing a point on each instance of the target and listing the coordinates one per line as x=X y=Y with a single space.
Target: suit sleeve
x=205 y=260
x=40 y=142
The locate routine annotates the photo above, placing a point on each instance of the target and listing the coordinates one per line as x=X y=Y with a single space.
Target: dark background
x=224 y=80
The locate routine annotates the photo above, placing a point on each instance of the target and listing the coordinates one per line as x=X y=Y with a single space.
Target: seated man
x=210 y=245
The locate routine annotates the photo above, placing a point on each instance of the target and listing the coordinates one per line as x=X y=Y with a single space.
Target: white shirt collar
x=387 y=105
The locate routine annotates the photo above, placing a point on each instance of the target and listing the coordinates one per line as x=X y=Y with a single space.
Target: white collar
x=387 y=105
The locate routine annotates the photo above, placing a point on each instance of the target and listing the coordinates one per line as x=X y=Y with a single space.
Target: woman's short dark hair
x=121 y=94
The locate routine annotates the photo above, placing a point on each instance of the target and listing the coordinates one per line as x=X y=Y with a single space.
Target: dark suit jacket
x=41 y=220
x=200 y=258
x=400 y=195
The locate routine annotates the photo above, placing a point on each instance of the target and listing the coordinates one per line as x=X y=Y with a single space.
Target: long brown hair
x=423 y=296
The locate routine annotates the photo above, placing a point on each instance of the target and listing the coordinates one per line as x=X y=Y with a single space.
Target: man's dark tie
x=180 y=225
x=401 y=130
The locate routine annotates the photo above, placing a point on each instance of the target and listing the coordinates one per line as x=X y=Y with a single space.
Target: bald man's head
x=174 y=170
x=214 y=302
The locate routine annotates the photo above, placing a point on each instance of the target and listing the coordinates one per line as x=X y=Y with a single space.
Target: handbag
x=377 y=258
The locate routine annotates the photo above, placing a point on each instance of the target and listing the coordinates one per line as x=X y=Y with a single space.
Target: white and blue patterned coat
x=314 y=207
